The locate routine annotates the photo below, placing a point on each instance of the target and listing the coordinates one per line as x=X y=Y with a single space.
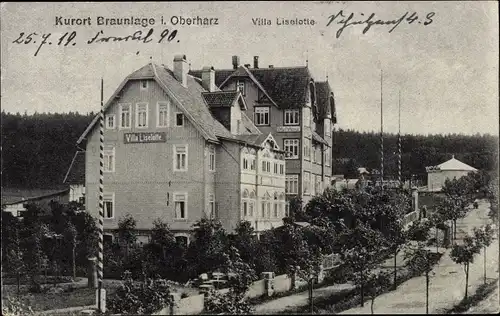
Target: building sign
x=134 y=138
x=287 y=129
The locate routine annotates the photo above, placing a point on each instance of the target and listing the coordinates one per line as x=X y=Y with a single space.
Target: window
x=275 y=210
x=307 y=149
x=179 y=119
x=240 y=86
x=110 y=121
x=109 y=159
x=245 y=204
x=211 y=159
x=144 y=84
x=287 y=209
x=328 y=128
x=162 y=114
x=282 y=169
x=292 y=184
x=291 y=147
x=276 y=168
x=245 y=164
x=211 y=206
x=125 y=115
x=252 y=164
x=268 y=209
x=307 y=181
x=141 y=115
x=109 y=205
x=266 y=166
x=292 y=117
x=180 y=204
x=180 y=157
x=262 y=115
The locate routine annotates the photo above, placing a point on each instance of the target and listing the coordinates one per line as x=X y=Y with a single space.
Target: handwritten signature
x=70 y=38
x=346 y=21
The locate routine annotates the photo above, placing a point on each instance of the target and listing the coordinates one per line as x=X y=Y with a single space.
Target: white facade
x=449 y=170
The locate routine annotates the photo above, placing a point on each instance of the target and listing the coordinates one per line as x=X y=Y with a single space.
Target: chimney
x=255 y=61
x=181 y=69
x=208 y=78
x=236 y=62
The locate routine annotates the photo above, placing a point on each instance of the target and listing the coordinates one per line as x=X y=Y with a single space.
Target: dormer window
x=144 y=84
x=240 y=86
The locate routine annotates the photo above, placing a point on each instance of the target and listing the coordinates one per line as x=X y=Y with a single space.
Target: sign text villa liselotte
x=155 y=137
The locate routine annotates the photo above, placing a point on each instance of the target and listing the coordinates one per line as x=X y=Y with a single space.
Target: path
x=447 y=285
x=299 y=299
x=487 y=306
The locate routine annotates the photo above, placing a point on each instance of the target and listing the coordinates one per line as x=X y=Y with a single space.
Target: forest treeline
x=354 y=149
x=37 y=149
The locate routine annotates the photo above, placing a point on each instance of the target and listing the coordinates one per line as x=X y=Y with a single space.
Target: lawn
x=62 y=296
x=67 y=295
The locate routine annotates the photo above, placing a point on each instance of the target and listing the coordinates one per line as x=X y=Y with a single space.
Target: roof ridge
x=221 y=91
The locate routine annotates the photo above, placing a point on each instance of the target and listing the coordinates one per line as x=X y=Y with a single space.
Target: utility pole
x=381 y=133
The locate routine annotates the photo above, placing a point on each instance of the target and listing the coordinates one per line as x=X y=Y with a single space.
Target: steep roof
x=316 y=137
x=40 y=197
x=455 y=164
x=285 y=86
x=323 y=94
x=188 y=99
x=219 y=99
x=76 y=171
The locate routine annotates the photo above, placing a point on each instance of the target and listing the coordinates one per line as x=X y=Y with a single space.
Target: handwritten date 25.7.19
x=72 y=39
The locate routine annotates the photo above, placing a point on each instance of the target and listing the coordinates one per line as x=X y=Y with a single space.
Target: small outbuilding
x=451 y=169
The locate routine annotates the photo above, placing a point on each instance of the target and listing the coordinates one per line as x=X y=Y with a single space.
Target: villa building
x=178 y=148
x=299 y=112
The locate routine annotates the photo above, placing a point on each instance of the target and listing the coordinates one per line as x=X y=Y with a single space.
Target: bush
x=14 y=307
x=145 y=297
x=230 y=303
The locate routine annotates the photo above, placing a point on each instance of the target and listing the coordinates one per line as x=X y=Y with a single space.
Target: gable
x=189 y=100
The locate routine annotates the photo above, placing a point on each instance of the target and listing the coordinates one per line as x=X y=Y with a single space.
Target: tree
x=162 y=237
x=484 y=238
x=70 y=236
x=375 y=283
x=240 y=273
x=463 y=254
x=362 y=246
x=207 y=249
x=245 y=241
x=419 y=259
x=451 y=209
x=126 y=232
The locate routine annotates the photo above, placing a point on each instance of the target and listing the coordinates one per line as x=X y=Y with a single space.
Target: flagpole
x=399 y=142
x=381 y=134
x=100 y=264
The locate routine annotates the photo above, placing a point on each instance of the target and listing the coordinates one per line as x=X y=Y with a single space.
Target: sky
x=446 y=71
